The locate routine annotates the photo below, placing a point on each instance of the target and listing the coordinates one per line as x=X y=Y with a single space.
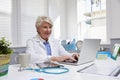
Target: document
x=97 y=69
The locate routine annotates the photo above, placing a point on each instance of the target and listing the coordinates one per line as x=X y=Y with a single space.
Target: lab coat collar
x=39 y=39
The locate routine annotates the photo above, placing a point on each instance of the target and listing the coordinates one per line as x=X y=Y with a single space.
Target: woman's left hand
x=75 y=56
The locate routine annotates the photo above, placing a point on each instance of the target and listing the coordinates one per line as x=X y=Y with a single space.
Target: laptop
x=88 y=52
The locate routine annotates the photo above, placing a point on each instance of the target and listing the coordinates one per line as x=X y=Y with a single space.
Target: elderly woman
x=44 y=48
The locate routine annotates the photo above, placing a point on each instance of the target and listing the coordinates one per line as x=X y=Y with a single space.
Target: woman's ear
x=37 y=29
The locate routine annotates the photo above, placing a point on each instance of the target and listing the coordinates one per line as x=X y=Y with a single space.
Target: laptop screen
x=88 y=51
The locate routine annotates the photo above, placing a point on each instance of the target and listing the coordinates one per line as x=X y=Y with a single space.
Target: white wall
x=71 y=19
x=113 y=7
x=67 y=10
x=58 y=8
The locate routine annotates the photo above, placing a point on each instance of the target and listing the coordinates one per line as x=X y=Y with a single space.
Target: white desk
x=13 y=73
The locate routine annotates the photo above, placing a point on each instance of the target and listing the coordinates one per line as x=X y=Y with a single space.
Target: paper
x=100 y=70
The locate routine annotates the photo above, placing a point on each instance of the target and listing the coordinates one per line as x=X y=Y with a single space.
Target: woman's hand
x=75 y=56
x=62 y=58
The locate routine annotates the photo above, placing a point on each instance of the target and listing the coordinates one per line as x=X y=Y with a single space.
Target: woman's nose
x=48 y=29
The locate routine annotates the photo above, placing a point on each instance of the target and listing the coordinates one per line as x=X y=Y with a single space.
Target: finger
x=72 y=58
x=77 y=55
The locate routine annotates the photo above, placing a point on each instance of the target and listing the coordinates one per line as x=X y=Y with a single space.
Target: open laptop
x=87 y=53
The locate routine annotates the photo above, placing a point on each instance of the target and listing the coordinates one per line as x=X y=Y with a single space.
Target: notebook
x=88 y=52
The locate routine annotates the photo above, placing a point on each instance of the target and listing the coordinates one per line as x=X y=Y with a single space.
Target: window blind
x=5 y=19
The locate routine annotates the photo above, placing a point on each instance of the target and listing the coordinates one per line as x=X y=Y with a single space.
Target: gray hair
x=41 y=19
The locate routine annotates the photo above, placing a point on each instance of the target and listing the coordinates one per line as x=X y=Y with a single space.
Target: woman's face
x=44 y=30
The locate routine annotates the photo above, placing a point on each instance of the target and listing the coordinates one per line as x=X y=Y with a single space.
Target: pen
x=85 y=67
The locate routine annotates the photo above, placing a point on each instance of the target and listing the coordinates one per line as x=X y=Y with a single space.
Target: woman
x=44 y=48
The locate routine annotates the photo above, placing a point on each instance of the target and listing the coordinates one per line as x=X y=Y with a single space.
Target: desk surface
x=13 y=73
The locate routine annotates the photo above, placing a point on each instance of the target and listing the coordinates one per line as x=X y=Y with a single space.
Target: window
x=5 y=19
x=92 y=19
x=17 y=19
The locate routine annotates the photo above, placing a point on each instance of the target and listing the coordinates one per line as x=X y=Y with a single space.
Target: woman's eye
x=44 y=26
x=47 y=27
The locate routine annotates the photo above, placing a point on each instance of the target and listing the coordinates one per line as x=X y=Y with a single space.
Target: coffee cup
x=24 y=60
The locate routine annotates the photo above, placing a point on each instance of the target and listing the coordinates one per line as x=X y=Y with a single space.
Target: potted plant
x=5 y=53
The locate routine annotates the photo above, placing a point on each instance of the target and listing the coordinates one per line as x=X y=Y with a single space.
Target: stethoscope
x=50 y=70
x=53 y=70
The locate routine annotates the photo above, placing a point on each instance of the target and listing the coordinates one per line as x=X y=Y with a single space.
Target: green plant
x=5 y=46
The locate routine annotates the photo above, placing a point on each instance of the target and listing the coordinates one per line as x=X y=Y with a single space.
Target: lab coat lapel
x=39 y=41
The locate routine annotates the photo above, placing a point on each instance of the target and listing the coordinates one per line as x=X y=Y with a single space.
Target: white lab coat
x=38 y=52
